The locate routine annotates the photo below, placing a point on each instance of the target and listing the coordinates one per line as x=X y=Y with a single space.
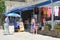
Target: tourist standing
x=32 y=25
x=6 y=26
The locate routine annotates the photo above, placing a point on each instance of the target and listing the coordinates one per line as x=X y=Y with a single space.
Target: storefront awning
x=20 y=9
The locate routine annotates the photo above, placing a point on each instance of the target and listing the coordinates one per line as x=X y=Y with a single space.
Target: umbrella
x=13 y=15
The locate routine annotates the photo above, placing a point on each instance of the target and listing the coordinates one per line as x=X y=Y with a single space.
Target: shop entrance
x=26 y=17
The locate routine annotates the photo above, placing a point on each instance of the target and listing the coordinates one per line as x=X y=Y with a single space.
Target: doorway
x=26 y=17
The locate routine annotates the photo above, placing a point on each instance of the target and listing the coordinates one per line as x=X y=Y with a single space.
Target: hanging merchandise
x=44 y=9
x=49 y=11
x=43 y=19
x=59 y=11
x=56 y=10
x=37 y=10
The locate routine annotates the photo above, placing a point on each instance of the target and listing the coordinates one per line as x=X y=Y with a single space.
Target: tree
x=2 y=10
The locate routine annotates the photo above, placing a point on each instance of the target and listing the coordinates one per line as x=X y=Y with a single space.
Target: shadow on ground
x=47 y=32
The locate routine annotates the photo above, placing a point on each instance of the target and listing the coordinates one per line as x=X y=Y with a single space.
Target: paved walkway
x=25 y=36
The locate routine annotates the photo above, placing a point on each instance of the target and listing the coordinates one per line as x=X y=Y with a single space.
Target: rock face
x=0 y=27
x=17 y=0
x=13 y=4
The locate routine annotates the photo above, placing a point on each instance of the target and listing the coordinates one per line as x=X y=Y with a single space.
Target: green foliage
x=49 y=26
x=2 y=7
x=57 y=26
x=2 y=10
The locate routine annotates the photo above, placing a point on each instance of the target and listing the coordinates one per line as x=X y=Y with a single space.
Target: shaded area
x=47 y=32
x=55 y=33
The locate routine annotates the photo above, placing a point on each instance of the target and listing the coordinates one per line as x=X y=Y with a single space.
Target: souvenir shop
x=44 y=14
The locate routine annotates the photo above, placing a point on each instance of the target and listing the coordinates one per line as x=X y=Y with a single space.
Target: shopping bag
x=11 y=29
x=21 y=26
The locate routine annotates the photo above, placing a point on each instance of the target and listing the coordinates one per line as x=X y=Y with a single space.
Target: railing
x=55 y=22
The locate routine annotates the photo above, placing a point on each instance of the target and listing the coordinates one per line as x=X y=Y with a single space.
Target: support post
x=39 y=17
x=52 y=21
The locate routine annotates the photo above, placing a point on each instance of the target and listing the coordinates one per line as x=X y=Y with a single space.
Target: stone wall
x=13 y=4
x=17 y=0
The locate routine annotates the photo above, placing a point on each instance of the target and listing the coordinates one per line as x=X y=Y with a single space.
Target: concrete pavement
x=25 y=36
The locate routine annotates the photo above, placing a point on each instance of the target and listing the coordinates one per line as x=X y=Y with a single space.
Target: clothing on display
x=44 y=9
x=46 y=12
x=49 y=11
x=59 y=11
x=56 y=10
x=37 y=10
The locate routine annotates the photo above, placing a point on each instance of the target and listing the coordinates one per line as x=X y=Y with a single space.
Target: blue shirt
x=16 y=24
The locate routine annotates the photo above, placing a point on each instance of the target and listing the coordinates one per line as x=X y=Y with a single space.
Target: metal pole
x=33 y=11
x=20 y=12
x=52 y=21
x=20 y=17
x=39 y=17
